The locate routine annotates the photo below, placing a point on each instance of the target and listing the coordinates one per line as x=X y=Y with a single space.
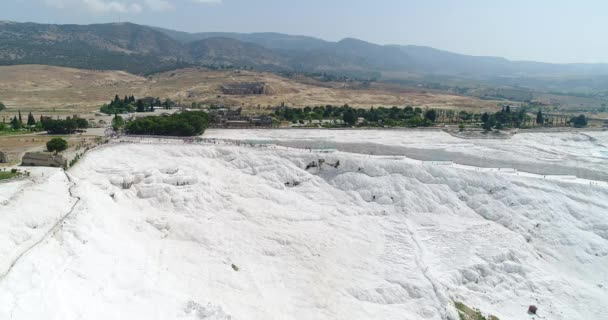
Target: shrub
x=56 y=145
x=579 y=122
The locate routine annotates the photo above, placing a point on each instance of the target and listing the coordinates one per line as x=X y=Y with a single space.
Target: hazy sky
x=542 y=30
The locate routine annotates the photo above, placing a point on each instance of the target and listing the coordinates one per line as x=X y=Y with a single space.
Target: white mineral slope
x=29 y=209
x=160 y=230
x=582 y=154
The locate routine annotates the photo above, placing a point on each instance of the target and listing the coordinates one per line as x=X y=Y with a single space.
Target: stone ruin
x=246 y=88
x=4 y=157
x=43 y=159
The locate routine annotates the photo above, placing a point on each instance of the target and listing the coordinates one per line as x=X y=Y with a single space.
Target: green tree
x=485 y=117
x=579 y=122
x=2 y=106
x=56 y=145
x=539 y=117
x=140 y=107
x=20 y=119
x=489 y=124
x=415 y=121
x=117 y=123
x=431 y=115
x=30 y=120
x=15 y=123
x=349 y=117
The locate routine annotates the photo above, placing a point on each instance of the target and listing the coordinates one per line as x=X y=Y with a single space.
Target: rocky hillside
x=144 y=50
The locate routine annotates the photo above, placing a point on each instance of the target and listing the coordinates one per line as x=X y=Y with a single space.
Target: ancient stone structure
x=43 y=159
x=246 y=88
x=4 y=157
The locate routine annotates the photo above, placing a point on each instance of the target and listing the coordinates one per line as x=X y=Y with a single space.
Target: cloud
x=208 y=1
x=113 y=6
x=102 y=6
x=159 y=5
x=56 y=3
x=121 y=6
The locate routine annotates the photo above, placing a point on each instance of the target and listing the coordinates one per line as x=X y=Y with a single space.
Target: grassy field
x=12 y=132
x=55 y=90
x=5 y=175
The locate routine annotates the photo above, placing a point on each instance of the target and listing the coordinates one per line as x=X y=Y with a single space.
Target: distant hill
x=143 y=50
x=430 y=60
x=129 y=47
x=227 y=51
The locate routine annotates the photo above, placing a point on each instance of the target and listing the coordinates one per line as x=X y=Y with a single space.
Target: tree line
x=178 y=124
x=508 y=119
x=416 y=117
x=52 y=126
x=64 y=126
x=129 y=104
x=17 y=122
x=381 y=116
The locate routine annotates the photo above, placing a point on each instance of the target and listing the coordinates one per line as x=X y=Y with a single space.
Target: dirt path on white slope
x=440 y=295
x=46 y=235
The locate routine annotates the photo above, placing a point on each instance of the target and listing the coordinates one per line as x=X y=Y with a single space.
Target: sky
x=560 y=31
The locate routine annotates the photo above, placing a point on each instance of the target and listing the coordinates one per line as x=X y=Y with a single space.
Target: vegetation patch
x=407 y=116
x=56 y=145
x=13 y=173
x=467 y=313
x=129 y=104
x=67 y=126
x=179 y=124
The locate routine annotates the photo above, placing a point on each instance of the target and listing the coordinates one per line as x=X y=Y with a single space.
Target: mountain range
x=143 y=50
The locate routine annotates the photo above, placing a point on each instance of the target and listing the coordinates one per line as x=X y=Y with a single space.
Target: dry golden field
x=57 y=90
x=16 y=146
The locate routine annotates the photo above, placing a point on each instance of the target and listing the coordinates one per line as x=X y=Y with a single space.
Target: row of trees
x=129 y=104
x=407 y=116
x=414 y=117
x=178 y=124
x=506 y=118
x=65 y=126
x=17 y=122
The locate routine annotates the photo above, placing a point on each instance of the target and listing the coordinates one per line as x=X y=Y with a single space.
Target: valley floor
x=241 y=229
